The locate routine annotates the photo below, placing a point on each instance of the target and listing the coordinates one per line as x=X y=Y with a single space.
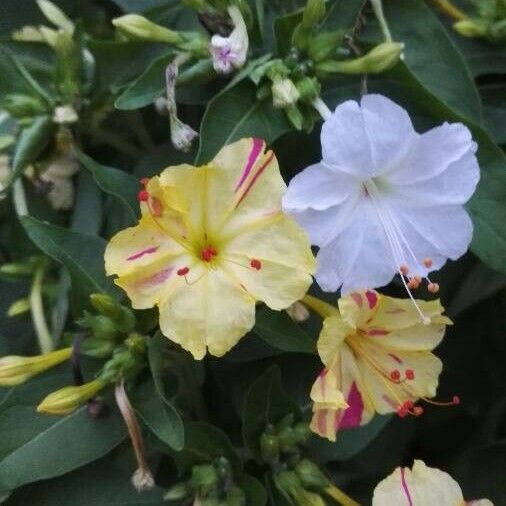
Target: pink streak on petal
x=140 y=254
x=255 y=177
x=155 y=279
x=405 y=488
x=372 y=298
x=257 y=148
x=321 y=421
x=395 y=311
x=353 y=415
x=396 y=358
x=377 y=332
x=356 y=298
x=389 y=401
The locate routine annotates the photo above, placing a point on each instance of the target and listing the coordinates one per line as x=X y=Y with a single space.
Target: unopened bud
x=310 y=475
x=288 y=440
x=294 y=116
x=269 y=447
x=56 y=16
x=122 y=317
x=204 y=476
x=137 y=27
x=19 y=307
x=21 y=106
x=98 y=348
x=101 y=326
x=298 y=312
x=471 y=27
x=302 y=432
x=381 y=58
x=314 y=12
x=177 y=492
x=16 y=369
x=28 y=34
x=181 y=134
x=284 y=93
x=65 y=114
x=50 y=35
x=235 y=497
x=68 y=399
x=324 y=45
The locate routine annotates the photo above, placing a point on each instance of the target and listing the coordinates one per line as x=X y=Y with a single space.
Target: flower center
x=208 y=253
x=403 y=257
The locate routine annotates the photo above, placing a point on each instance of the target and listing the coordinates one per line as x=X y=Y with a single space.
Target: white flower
x=229 y=53
x=421 y=486
x=385 y=199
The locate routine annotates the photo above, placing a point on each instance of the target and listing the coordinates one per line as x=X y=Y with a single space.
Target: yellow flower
x=211 y=241
x=421 y=486
x=15 y=369
x=377 y=357
x=68 y=399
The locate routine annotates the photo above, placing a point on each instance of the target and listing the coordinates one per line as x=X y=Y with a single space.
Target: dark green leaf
x=115 y=182
x=278 y=330
x=266 y=402
x=254 y=490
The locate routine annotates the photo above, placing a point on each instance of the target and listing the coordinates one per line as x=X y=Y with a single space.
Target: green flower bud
x=101 y=326
x=310 y=475
x=269 y=447
x=324 y=46
x=284 y=93
x=381 y=58
x=178 y=492
x=288 y=440
x=137 y=27
x=286 y=421
x=235 y=497
x=294 y=116
x=68 y=399
x=21 y=106
x=471 y=27
x=123 y=317
x=99 y=348
x=309 y=89
x=18 y=269
x=19 y=307
x=54 y=14
x=313 y=13
x=204 y=476
x=223 y=468
x=302 y=432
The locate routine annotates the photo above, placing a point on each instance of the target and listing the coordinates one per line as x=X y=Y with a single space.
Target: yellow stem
x=319 y=306
x=340 y=497
x=449 y=9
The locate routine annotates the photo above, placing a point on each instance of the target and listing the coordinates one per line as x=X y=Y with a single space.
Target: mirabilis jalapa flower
x=421 y=486
x=212 y=240
x=377 y=357
x=384 y=199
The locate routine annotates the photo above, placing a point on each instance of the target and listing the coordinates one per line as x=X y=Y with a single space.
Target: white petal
x=389 y=129
x=345 y=145
x=433 y=152
x=318 y=187
x=359 y=257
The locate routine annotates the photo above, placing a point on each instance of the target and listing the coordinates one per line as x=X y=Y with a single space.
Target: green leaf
x=38 y=447
x=278 y=330
x=159 y=415
x=147 y=87
x=115 y=182
x=432 y=57
x=30 y=144
x=254 y=490
x=81 y=254
x=236 y=114
x=203 y=443
x=266 y=402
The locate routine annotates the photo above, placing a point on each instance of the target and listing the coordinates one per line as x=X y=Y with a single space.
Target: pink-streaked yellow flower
x=421 y=486
x=15 y=369
x=377 y=357
x=212 y=241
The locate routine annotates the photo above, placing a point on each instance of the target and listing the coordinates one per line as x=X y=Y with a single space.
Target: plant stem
x=450 y=10
x=378 y=11
x=19 y=199
x=319 y=306
x=340 y=497
x=37 y=310
x=322 y=108
x=103 y=137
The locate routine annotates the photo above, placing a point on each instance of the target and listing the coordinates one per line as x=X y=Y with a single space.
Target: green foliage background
x=79 y=461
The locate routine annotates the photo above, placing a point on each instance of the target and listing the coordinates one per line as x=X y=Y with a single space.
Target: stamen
x=404 y=269
x=433 y=287
x=410 y=374
x=418 y=410
x=454 y=402
x=144 y=181
x=427 y=262
x=183 y=271
x=143 y=196
x=395 y=375
x=256 y=264
x=208 y=253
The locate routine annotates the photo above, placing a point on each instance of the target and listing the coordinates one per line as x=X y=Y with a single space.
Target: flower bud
x=235 y=497
x=298 y=312
x=471 y=27
x=49 y=35
x=181 y=134
x=269 y=447
x=381 y=58
x=302 y=432
x=284 y=93
x=229 y=53
x=137 y=27
x=122 y=317
x=324 y=45
x=204 y=476
x=294 y=116
x=19 y=307
x=68 y=399
x=314 y=12
x=54 y=14
x=310 y=475
x=27 y=33
x=21 y=106
x=178 y=492
x=15 y=369
x=17 y=269
x=288 y=440
x=65 y=114
x=99 y=348
x=101 y=326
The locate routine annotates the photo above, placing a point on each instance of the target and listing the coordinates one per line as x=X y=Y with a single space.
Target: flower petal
x=419 y=486
x=282 y=262
x=212 y=313
x=331 y=339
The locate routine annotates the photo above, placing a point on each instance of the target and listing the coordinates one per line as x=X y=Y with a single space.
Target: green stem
x=19 y=199
x=322 y=108
x=319 y=306
x=446 y=7
x=103 y=137
x=37 y=309
x=378 y=11
x=340 y=497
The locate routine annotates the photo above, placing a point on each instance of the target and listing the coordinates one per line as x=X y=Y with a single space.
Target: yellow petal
x=284 y=262
x=421 y=486
x=331 y=339
x=212 y=313
x=358 y=308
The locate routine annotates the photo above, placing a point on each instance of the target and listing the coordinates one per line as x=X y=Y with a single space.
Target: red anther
x=402 y=412
x=404 y=269
x=256 y=264
x=143 y=196
x=418 y=279
x=427 y=262
x=413 y=284
x=408 y=404
x=208 y=253
x=183 y=271
x=433 y=287
x=144 y=181
x=456 y=400
x=418 y=410
x=410 y=374
x=395 y=375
